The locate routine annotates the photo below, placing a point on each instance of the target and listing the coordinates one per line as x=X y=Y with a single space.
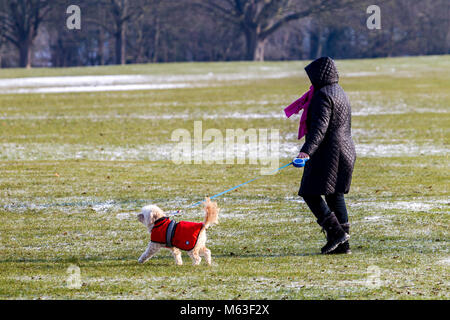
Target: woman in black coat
x=331 y=152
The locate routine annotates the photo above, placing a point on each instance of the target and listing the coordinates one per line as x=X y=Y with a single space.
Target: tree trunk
x=156 y=40
x=259 y=50
x=101 y=44
x=254 y=45
x=120 y=43
x=316 y=44
x=139 y=51
x=123 y=52
x=250 y=42
x=25 y=54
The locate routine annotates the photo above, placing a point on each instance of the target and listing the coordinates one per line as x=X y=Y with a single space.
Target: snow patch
x=401 y=205
x=146 y=116
x=445 y=261
x=124 y=215
x=373 y=218
x=164 y=151
x=123 y=87
x=399 y=150
x=66 y=84
x=103 y=207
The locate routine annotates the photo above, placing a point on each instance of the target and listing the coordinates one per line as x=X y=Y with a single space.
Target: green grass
x=73 y=165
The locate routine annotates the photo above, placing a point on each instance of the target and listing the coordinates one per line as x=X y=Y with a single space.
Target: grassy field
x=76 y=165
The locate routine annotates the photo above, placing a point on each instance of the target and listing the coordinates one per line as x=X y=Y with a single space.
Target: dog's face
x=149 y=214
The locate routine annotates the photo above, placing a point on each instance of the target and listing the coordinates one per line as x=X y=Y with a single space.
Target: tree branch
x=323 y=5
x=11 y=39
x=224 y=13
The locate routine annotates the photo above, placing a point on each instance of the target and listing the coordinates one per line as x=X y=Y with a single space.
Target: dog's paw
x=140 y=260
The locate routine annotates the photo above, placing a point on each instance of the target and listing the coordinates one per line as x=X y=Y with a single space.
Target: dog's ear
x=140 y=217
x=153 y=216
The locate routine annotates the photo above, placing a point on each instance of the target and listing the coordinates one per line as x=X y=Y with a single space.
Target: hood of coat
x=322 y=72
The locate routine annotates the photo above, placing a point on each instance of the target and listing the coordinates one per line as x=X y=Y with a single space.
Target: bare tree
x=144 y=31
x=117 y=16
x=258 y=19
x=21 y=20
x=122 y=11
x=141 y=31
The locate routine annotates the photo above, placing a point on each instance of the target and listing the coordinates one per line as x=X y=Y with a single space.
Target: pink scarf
x=296 y=106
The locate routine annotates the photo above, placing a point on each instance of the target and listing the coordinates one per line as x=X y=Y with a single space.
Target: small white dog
x=184 y=235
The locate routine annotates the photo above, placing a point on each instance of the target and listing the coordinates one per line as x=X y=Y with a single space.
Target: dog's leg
x=195 y=256
x=207 y=254
x=151 y=250
x=177 y=255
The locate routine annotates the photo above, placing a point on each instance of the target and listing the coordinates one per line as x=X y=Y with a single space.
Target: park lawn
x=76 y=166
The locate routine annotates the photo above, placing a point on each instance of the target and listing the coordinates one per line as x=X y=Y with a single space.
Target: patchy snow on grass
x=165 y=151
x=123 y=87
x=46 y=151
x=374 y=218
x=103 y=207
x=445 y=261
x=125 y=215
x=415 y=205
x=149 y=152
x=67 y=84
x=90 y=84
x=69 y=204
x=146 y=116
x=360 y=74
x=381 y=149
x=367 y=103
x=365 y=108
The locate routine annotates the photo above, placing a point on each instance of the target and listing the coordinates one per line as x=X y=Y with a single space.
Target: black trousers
x=334 y=203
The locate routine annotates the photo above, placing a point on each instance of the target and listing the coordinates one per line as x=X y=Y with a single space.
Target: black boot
x=335 y=234
x=343 y=248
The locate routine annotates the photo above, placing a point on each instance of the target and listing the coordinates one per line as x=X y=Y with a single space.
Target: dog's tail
x=211 y=213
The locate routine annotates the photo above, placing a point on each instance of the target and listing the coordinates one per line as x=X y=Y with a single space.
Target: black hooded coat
x=328 y=141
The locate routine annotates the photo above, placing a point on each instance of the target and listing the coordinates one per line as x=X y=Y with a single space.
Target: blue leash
x=296 y=163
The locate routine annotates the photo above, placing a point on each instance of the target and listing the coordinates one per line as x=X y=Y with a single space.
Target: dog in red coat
x=184 y=235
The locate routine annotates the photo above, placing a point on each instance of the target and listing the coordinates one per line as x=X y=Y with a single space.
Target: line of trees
x=34 y=32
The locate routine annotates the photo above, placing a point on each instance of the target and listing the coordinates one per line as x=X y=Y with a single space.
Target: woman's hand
x=303 y=155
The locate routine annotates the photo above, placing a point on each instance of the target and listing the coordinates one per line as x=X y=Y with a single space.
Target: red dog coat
x=185 y=234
